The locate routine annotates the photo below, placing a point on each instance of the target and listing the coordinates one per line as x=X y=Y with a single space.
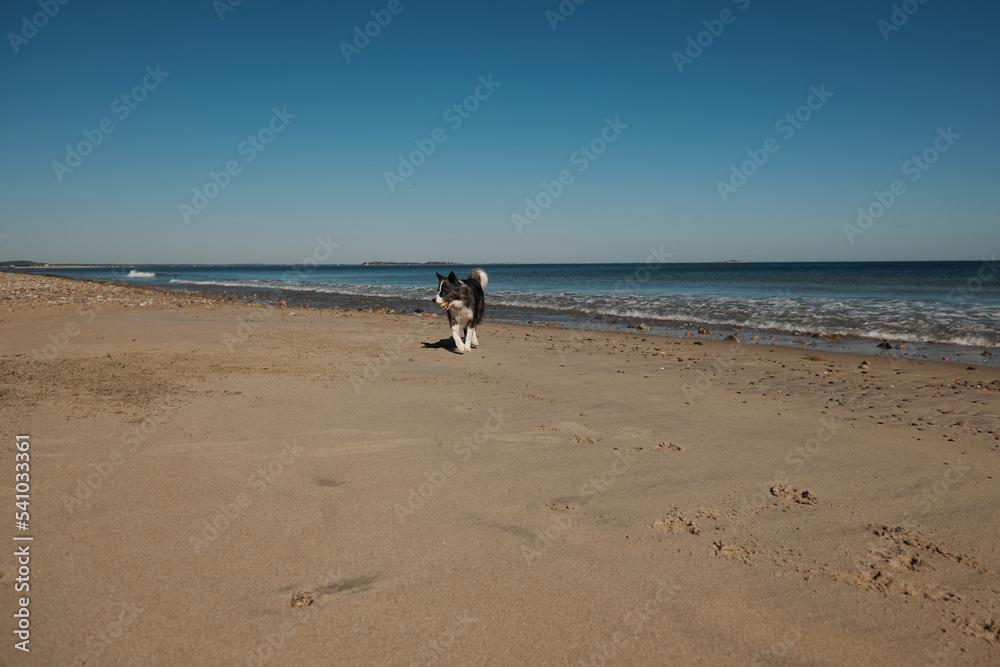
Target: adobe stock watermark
x=245 y=329
x=381 y=18
x=257 y=483
x=713 y=29
x=921 y=503
x=630 y=283
x=267 y=647
x=705 y=376
x=974 y=285
x=799 y=456
x=321 y=254
x=915 y=167
x=418 y=496
x=931 y=494
x=795 y=459
x=390 y=351
x=122 y=107
x=99 y=641
x=87 y=486
x=223 y=7
x=632 y=626
x=442 y=643
x=454 y=116
x=566 y=521
x=249 y=149
x=31 y=26
x=786 y=126
x=581 y=158
x=779 y=650
x=655 y=259
x=900 y=14
x=60 y=340
x=565 y=9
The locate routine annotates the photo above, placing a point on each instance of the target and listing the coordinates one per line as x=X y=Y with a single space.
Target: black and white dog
x=465 y=304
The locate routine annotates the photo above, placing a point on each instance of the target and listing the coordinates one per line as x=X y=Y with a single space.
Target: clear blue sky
x=324 y=174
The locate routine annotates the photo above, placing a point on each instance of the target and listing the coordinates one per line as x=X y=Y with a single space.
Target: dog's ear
x=452 y=277
x=440 y=277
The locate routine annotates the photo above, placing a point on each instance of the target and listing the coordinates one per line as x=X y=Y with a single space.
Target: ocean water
x=935 y=309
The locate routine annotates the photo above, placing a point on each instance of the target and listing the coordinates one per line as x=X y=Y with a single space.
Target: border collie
x=465 y=304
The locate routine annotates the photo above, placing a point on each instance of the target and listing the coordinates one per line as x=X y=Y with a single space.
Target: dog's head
x=447 y=290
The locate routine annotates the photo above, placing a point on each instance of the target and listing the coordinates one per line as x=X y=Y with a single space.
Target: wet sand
x=555 y=496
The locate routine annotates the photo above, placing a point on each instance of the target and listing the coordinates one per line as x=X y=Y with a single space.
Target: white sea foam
x=321 y=288
x=140 y=274
x=897 y=320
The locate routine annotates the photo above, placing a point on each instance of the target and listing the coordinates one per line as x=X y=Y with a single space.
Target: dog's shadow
x=443 y=344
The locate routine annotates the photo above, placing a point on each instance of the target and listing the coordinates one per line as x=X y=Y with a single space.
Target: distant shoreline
x=7 y=266
x=411 y=263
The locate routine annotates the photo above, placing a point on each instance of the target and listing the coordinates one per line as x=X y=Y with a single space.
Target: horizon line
x=13 y=264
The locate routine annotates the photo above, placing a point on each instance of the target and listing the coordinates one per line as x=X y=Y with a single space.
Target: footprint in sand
x=662 y=447
x=678 y=521
x=735 y=552
x=903 y=538
x=794 y=494
x=981 y=626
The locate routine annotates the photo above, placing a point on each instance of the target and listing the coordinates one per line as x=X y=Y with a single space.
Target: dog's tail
x=480 y=275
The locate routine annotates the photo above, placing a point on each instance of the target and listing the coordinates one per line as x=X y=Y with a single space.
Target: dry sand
x=553 y=497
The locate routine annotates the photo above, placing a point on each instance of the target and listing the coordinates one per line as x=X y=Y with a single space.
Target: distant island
x=733 y=261
x=20 y=263
x=406 y=263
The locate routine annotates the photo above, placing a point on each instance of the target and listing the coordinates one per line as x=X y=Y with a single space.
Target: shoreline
x=807 y=341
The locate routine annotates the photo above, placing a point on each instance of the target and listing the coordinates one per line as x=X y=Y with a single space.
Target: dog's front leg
x=456 y=333
x=471 y=333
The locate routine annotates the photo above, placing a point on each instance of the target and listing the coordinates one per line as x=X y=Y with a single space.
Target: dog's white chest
x=460 y=312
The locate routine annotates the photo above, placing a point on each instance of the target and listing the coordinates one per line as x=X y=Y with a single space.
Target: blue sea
x=936 y=310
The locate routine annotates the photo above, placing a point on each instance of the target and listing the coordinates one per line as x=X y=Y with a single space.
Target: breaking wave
x=918 y=320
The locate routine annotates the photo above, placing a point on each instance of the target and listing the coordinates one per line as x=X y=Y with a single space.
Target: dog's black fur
x=466 y=305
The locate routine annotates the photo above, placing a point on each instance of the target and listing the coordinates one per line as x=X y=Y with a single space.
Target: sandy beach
x=219 y=483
